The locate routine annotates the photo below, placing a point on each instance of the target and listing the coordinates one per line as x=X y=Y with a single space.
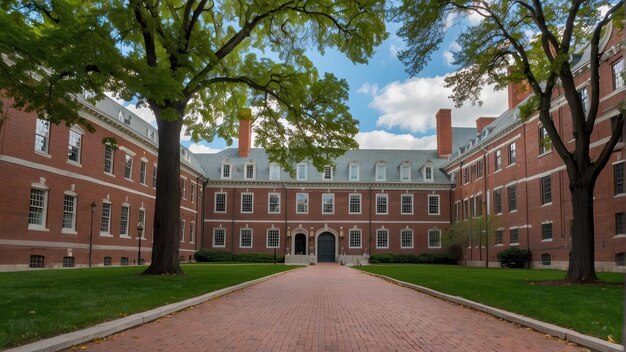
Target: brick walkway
x=329 y=308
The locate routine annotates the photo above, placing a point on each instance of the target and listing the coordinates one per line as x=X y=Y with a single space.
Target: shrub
x=514 y=258
x=206 y=256
x=424 y=258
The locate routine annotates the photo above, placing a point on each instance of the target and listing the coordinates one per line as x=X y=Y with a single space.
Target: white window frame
x=44 y=208
x=325 y=198
x=402 y=197
x=438 y=204
x=154 y=175
x=241 y=231
x=301 y=171
x=381 y=172
x=128 y=167
x=246 y=175
x=109 y=205
x=75 y=132
x=143 y=169
x=251 y=203
x=358 y=234
x=229 y=167
x=183 y=187
x=350 y=196
x=402 y=233
x=192 y=232
x=215 y=195
x=223 y=245
x=353 y=171
x=72 y=213
x=378 y=242
x=327 y=174
x=194 y=187
x=44 y=135
x=269 y=202
x=274 y=172
x=431 y=232
x=125 y=222
x=183 y=223
x=384 y=196
x=141 y=218
x=405 y=172
x=267 y=237
x=111 y=160
x=306 y=203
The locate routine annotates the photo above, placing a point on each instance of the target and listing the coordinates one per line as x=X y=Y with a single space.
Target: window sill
x=128 y=179
x=216 y=246
x=125 y=236
x=406 y=247
x=513 y=211
x=544 y=154
x=511 y=165
x=621 y=235
x=546 y=205
x=495 y=172
x=547 y=240
x=499 y=245
x=45 y=155
x=69 y=232
x=77 y=164
x=429 y=247
x=105 y=234
x=514 y=244
x=38 y=228
x=434 y=214
x=620 y=195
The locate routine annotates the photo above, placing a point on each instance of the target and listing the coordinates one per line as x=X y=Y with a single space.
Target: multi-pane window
x=124 y=261
x=154 y=176
x=302 y=203
x=225 y=171
x=546 y=189
x=42 y=136
x=545 y=145
x=128 y=166
x=38 y=208
x=406 y=238
x=478 y=205
x=219 y=237
x=584 y=98
x=498 y=160
x=273 y=206
x=499 y=237
x=105 y=218
x=428 y=173
x=68 y=262
x=328 y=203
x=183 y=188
x=465 y=175
x=245 y=238
x=457 y=207
x=546 y=259
x=301 y=171
x=124 y=213
x=480 y=164
x=514 y=233
x=353 y=172
x=620 y=259
x=109 y=155
x=354 y=238
x=73 y=149
x=182 y=230
x=328 y=173
x=142 y=172
x=497 y=201
x=274 y=172
x=512 y=193
x=250 y=173
x=381 y=172
x=512 y=154
x=193 y=192
x=247 y=202
x=354 y=203
x=382 y=238
x=220 y=202
x=618 y=178
x=620 y=223
x=433 y=204
x=546 y=231
x=618 y=74
x=434 y=238
x=141 y=215
x=381 y=204
x=405 y=172
x=69 y=212
x=108 y=261
x=273 y=238
x=36 y=261
x=406 y=201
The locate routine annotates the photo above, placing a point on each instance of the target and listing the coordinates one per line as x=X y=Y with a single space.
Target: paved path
x=329 y=308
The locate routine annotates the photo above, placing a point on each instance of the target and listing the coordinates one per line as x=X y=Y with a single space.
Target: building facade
x=72 y=198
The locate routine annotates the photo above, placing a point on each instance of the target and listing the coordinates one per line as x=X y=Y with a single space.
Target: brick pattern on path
x=329 y=308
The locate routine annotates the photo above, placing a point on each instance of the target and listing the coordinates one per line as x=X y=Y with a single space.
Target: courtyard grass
x=44 y=303
x=594 y=310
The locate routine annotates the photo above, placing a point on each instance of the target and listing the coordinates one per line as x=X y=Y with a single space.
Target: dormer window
x=274 y=172
x=353 y=171
x=328 y=173
x=250 y=171
x=405 y=172
x=226 y=171
x=428 y=172
x=301 y=171
x=381 y=171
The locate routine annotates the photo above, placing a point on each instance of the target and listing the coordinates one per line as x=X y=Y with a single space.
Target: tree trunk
x=166 y=245
x=582 y=261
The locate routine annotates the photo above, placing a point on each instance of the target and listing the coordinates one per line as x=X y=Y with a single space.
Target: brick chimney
x=517 y=93
x=245 y=132
x=482 y=122
x=444 y=132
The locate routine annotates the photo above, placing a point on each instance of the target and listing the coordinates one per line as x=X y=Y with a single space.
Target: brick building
x=369 y=201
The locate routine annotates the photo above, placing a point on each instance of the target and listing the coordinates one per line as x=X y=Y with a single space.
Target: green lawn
x=594 y=310
x=44 y=303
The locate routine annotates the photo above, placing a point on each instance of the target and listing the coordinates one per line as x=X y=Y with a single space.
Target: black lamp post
x=93 y=209
x=139 y=233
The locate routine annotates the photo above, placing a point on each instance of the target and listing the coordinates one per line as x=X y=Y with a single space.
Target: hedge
x=514 y=258
x=424 y=258
x=206 y=256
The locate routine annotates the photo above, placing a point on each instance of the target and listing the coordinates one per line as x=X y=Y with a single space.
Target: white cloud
x=448 y=57
x=144 y=111
x=384 y=140
x=411 y=105
x=368 y=89
x=474 y=18
x=202 y=148
x=450 y=19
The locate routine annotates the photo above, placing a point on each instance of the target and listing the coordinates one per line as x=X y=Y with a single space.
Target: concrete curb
x=593 y=343
x=68 y=340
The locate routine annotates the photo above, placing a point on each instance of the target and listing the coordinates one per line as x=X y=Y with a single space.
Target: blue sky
x=395 y=111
